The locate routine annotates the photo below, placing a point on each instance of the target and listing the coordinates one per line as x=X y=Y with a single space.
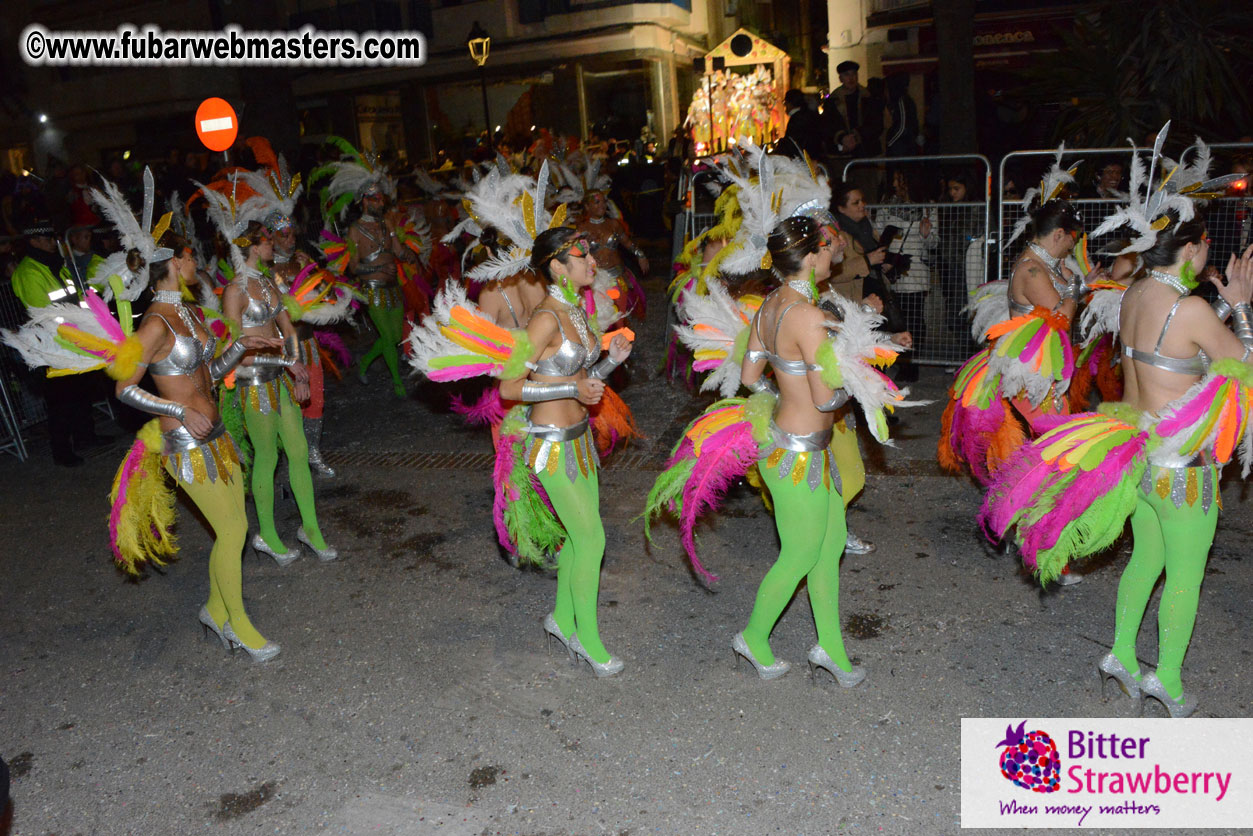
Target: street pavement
x=414 y=694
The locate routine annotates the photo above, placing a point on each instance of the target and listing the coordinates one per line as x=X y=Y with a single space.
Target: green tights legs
x=812 y=533
x=577 y=504
x=265 y=431
x=1177 y=540
x=390 y=324
x=222 y=504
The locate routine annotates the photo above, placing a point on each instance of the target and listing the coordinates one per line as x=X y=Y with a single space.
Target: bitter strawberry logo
x=1030 y=759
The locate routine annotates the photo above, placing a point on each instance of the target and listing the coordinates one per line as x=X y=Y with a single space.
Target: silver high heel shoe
x=1152 y=687
x=855 y=545
x=553 y=632
x=1111 y=668
x=259 y=654
x=601 y=669
x=819 y=659
x=325 y=555
x=741 y=648
x=210 y=626
x=281 y=558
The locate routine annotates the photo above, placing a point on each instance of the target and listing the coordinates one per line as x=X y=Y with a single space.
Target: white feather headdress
x=1052 y=184
x=1152 y=200
x=231 y=218
x=581 y=173
x=514 y=205
x=134 y=233
x=352 y=176
x=770 y=188
x=274 y=184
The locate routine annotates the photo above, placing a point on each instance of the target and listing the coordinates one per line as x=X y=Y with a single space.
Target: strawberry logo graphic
x=1030 y=759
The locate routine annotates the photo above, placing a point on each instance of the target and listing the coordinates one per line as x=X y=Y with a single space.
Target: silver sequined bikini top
x=569 y=357
x=187 y=355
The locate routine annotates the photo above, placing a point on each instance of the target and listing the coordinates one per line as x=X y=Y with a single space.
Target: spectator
x=903 y=134
x=804 y=128
x=957 y=228
x=873 y=118
x=844 y=111
x=1107 y=184
x=909 y=252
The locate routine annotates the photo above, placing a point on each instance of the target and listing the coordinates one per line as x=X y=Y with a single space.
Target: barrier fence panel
x=945 y=264
x=20 y=405
x=1228 y=217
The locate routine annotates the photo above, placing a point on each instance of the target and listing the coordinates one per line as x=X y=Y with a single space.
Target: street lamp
x=480 y=43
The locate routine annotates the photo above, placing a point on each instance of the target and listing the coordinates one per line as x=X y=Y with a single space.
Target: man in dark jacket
x=804 y=127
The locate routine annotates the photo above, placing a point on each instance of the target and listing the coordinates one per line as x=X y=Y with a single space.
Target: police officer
x=40 y=279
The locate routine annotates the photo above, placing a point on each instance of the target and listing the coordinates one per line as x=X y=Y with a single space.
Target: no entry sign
x=216 y=124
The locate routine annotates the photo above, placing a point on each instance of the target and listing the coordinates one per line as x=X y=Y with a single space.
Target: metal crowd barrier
x=20 y=407
x=944 y=266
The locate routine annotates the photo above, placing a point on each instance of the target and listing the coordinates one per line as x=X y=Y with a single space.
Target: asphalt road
x=414 y=694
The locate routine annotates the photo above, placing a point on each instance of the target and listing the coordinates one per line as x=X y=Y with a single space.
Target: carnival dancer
x=311 y=295
x=1156 y=456
x=373 y=246
x=253 y=304
x=604 y=228
x=1007 y=390
x=785 y=434
x=188 y=439
x=546 y=458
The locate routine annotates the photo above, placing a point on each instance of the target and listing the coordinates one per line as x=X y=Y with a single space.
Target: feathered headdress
x=353 y=177
x=231 y=215
x=580 y=174
x=273 y=183
x=768 y=189
x=1052 y=184
x=1147 y=212
x=135 y=233
x=514 y=205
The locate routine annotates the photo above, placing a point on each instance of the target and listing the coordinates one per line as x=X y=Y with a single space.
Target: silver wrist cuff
x=273 y=360
x=1222 y=309
x=762 y=384
x=838 y=399
x=147 y=402
x=1077 y=289
x=604 y=368
x=221 y=365
x=291 y=348
x=534 y=392
x=1242 y=322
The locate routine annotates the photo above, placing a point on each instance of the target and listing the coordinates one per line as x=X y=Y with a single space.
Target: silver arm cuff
x=289 y=357
x=1242 y=323
x=291 y=348
x=1077 y=290
x=221 y=365
x=838 y=399
x=534 y=392
x=762 y=384
x=604 y=368
x=1222 y=309
x=147 y=402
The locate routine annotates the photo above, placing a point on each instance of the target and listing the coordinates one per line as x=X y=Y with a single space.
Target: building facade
x=614 y=66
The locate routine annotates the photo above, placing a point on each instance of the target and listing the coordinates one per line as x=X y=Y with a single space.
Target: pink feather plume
x=488 y=410
x=725 y=456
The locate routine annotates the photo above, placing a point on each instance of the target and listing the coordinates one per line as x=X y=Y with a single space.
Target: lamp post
x=480 y=43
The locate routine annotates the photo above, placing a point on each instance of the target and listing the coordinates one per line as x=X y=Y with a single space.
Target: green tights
x=265 y=432
x=812 y=532
x=577 y=505
x=222 y=504
x=390 y=323
x=1177 y=540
